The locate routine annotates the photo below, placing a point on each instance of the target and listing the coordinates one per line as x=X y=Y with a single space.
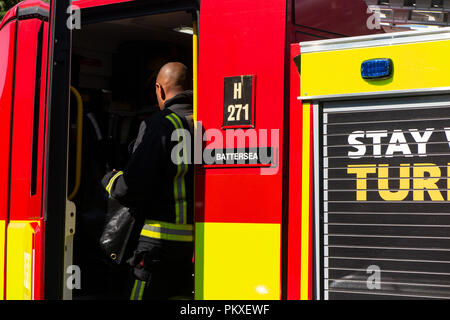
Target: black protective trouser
x=162 y=272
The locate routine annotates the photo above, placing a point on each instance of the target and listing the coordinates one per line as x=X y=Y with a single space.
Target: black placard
x=241 y=157
x=238 y=106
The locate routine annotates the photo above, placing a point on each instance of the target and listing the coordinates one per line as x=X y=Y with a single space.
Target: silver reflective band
x=385 y=39
x=168 y=231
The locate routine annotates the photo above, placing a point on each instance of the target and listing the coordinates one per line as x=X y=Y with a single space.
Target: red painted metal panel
x=295 y=181
x=40 y=192
x=239 y=38
x=34 y=3
x=10 y=15
x=7 y=46
x=38 y=246
x=7 y=40
x=344 y=17
x=256 y=200
x=79 y=3
x=23 y=205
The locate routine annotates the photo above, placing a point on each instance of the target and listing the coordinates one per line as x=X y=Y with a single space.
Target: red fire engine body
x=251 y=240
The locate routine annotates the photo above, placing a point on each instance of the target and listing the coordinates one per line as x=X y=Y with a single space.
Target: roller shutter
x=384 y=192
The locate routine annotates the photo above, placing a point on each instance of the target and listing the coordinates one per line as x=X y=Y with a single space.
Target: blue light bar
x=376 y=69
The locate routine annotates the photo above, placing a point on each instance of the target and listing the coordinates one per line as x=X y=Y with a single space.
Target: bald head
x=172 y=79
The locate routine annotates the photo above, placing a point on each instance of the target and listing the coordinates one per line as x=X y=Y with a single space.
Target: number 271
x=235 y=110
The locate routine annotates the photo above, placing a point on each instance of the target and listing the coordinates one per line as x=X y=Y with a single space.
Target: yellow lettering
x=448 y=181
x=420 y=183
x=361 y=172
x=383 y=183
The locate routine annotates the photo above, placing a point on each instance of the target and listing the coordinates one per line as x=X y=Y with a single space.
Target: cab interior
x=114 y=68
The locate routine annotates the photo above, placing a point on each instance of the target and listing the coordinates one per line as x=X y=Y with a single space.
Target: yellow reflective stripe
x=168 y=225
x=165 y=236
x=138 y=290
x=175 y=187
x=141 y=291
x=133 y=292
x=167 y=231
x=177 y=119
x=172 y=118
x=183 y=173
x=111 y=182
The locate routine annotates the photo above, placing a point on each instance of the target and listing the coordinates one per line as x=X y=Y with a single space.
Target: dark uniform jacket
x=158 y=179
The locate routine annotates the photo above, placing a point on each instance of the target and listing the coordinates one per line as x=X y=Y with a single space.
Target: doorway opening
x=114 y=69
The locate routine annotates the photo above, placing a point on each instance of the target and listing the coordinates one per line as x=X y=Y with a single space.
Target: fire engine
x=304 y=208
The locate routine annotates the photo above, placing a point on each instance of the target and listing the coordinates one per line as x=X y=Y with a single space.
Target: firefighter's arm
x=140 y=176
x=113 y=181
x=142 y=130
x=114 y=184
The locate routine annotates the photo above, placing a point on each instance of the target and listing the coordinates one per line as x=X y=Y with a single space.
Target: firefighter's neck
x=171 y=94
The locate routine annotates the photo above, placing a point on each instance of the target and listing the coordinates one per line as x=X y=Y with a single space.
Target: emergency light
x=376 y=69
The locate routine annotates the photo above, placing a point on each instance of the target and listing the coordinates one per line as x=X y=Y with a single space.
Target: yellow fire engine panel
x=376 y=110
x=336 y=69
x=2 y=258
x=20 y=260
x=239 y=260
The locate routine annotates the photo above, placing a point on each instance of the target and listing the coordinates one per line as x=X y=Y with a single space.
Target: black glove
x=107 y=178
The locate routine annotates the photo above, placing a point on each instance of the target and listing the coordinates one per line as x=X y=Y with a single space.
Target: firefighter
x=158 y=184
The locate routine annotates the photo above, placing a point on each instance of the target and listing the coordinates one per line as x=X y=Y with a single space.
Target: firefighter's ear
x=160 y=92
x=160 y=95
x=163 y=94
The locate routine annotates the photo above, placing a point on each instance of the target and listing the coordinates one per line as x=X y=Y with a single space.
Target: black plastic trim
x=36 y=111
x=32 y=12
x=135 y=9
x=60 y=42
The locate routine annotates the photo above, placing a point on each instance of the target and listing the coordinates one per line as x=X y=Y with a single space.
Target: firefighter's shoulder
x=172 y=120
x=156 y=122
x=161 y=123
x=164 y=121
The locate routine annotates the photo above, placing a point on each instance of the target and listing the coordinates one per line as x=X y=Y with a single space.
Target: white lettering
x=398 y=144
x=74 y=20
x=421 y=140
x=356 y=144
x=237 y=90
x=374 y=280
x=374 y=21
x=447 y=135
x=197 y=310
x=376 y=141
x=74 y=280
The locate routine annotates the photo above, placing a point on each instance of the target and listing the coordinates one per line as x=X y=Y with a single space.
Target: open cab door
x=34 y=84
x=44 y=56
x=59 y=212
x=108 y=59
